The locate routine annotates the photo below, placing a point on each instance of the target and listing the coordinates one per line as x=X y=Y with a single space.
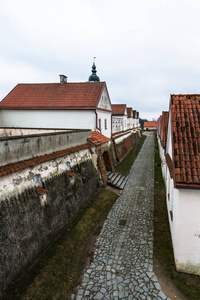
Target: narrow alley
x=123 y=261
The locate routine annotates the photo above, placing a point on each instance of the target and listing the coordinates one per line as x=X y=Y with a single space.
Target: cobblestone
x=123 y=260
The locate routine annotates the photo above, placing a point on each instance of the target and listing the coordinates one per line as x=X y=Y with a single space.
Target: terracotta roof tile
x=118 y=109
x=164 y=127
x=70 y=173
x=98 y=138
x=129 y=112
x=40 y=190
x=53 y=95
x=185 y=119
x=5 y=170
x=135 y=114
x=150 y=124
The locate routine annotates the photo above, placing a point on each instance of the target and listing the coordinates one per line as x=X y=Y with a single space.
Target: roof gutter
x=187 y=186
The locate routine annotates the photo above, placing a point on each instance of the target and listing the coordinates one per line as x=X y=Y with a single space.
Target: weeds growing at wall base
x=60 y=273
x=125 y=165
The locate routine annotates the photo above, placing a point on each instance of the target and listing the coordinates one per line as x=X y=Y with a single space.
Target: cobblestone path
x=123 y=261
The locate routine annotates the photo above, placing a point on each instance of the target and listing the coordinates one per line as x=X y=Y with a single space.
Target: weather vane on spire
x=94 y=59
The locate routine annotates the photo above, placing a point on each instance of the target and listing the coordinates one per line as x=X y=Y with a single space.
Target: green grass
x=61 y=273
x=188 y=284
x=125 y=166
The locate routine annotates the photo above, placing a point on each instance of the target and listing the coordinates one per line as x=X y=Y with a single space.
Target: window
x=105 y=123
x=38 y=180
x=68 y=166
x=99 y=123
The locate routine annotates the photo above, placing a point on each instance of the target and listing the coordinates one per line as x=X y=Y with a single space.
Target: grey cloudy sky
x=145 y=50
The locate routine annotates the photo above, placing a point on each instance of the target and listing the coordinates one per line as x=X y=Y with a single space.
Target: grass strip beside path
x=62 y=271
x=188 y=284
x=125 y=165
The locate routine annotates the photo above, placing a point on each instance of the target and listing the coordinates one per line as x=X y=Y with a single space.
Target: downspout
x=111 y=126
x=97 y=122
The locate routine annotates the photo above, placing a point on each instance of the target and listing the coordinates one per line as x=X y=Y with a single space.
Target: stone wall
x=7 y=131
x=19 y=148
x=28 y=223
x=123 y=148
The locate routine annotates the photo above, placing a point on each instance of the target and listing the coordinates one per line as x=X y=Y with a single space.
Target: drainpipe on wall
x=111 y=125
x=97 y=122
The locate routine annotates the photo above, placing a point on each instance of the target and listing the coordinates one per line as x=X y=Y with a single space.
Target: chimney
x=63 y=79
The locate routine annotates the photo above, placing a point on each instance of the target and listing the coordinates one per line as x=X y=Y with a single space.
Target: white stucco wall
x=19 y=148
x=0 y=118
x=104 y=101
x=119 y=123
x=129 y=122
x=105 y=115
x=5 y=132
x=185 y=226
x=172 y=201
x=136 y=122
x=123 y=137
x=150 y=128
x=70 y=119
x=17 y=182
x=188 y=246
x=162 y=158
x=169 y=140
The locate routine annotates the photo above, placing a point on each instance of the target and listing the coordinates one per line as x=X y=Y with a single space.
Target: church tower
x=94 y=77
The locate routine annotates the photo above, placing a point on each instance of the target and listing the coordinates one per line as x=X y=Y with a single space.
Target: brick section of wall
x=122 y=149
x=102 y=168
x=102 y=164
x=111 y=162
x=117 y=153
x=28 y=224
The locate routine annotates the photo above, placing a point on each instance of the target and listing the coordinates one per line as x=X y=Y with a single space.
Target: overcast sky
x=145 y=50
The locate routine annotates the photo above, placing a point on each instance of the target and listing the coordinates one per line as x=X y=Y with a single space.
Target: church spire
x=94 y=77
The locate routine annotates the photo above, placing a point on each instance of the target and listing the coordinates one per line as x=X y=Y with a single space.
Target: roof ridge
x=79 y=82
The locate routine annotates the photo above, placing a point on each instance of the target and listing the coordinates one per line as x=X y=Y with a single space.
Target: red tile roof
x=129 y=112
x=164 y=127
x=134 y=114
x=38 y=160
x=85 y=95
x=150 y=124
x=40 y=190
x=185 y=121
x=98 y=138
x=159 y=121
x=119 y=109
x=71 y=174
